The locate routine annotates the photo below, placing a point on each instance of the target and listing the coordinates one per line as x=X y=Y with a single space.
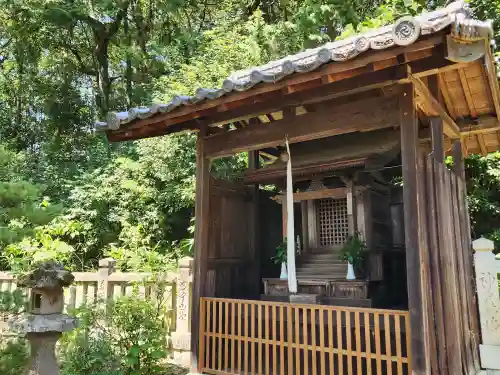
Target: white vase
x=350 y=272
x=284 y=273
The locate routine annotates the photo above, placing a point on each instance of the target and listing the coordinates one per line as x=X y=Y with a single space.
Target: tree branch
x=83 y=68
x=115 y=26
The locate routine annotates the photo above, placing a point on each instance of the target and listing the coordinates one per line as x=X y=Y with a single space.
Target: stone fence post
x=106 y=268
x=488 y=297
x=181 y=338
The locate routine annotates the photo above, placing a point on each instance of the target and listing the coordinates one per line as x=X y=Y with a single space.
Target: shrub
x=13 y=356
x=123 y=337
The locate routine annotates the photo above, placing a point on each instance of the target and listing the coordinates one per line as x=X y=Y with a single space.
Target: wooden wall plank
x=425 y=273
x=465 y=252
x=461 y=265
x=436 y=276
x=409 y=153
x=447 y=267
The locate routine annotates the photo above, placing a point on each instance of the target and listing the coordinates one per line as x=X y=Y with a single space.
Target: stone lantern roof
x=48 y=275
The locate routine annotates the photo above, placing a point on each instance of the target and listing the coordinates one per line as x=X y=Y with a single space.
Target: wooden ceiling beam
x=482 y=144
x=377 y=113
x=450 y=128
x=468 y=95
x=483 y=124
x=443 y=86
x=273 y=151
x=493 y=80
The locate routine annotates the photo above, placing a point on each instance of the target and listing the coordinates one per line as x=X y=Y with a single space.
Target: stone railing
x=488 y=295
x=106 y=283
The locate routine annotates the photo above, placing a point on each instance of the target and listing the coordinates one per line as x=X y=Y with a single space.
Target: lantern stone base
x=43 y=358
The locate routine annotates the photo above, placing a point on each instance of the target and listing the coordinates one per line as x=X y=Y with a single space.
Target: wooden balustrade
x=257 y=337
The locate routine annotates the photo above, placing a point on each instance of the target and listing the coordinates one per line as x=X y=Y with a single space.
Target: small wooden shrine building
x=358 y=114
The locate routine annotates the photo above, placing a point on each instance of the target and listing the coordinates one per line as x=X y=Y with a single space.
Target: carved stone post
x=181 y=338
x=106 y=268
x=488 y=303
x=45 y=322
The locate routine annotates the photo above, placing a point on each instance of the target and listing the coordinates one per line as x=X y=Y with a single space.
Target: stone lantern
x=45 y=322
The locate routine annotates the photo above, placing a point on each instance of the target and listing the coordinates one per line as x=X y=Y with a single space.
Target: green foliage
x=13 y=350
x=354 y=250
x=281 y=253
x=483 y=177
x=65 y=63
x=13 y=303
x=23 y=256
x=126 y=336
x=13 y=356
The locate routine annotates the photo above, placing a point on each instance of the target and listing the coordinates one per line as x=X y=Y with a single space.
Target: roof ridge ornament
x=406 y=31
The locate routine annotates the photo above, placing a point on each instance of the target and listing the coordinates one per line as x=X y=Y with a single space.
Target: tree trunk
x=103 y=79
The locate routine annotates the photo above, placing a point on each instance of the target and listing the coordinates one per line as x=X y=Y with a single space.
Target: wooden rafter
x=468 y=95
x=450 y=128
x=275 y=152
x=446 y=96
x=465 y=151
x=482 y=144
x=483 y=124
x=493 y=80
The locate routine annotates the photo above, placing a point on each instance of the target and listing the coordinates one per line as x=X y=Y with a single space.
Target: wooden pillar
x=413 y=196
x=254 y=269
x=202 y=221
x=436 y=123
x=436 y=281
x=351 y=207
x=466 y=254
x=305 y=233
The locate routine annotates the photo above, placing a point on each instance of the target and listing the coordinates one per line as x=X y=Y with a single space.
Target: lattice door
x=333 y=221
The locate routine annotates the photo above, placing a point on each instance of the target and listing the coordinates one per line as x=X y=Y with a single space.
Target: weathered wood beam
x=275 y=152
x=443 y=86
x=493 y=80
x=467 y=92
x=436 y=123
x=414 y=246
x=483 y=124
x=374 y=114
x=274 y=175
x=200 y=247
x=272 y=102
x=482 y=144
x=311 y=195
x=450 y=128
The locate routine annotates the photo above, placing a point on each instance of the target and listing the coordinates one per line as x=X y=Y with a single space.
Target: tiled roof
x=405 y=31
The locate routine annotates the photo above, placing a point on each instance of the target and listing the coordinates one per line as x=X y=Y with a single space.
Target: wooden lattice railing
x=257 y=337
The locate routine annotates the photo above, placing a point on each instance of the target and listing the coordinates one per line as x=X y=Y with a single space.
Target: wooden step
x=320 y=266
x=321 y=276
